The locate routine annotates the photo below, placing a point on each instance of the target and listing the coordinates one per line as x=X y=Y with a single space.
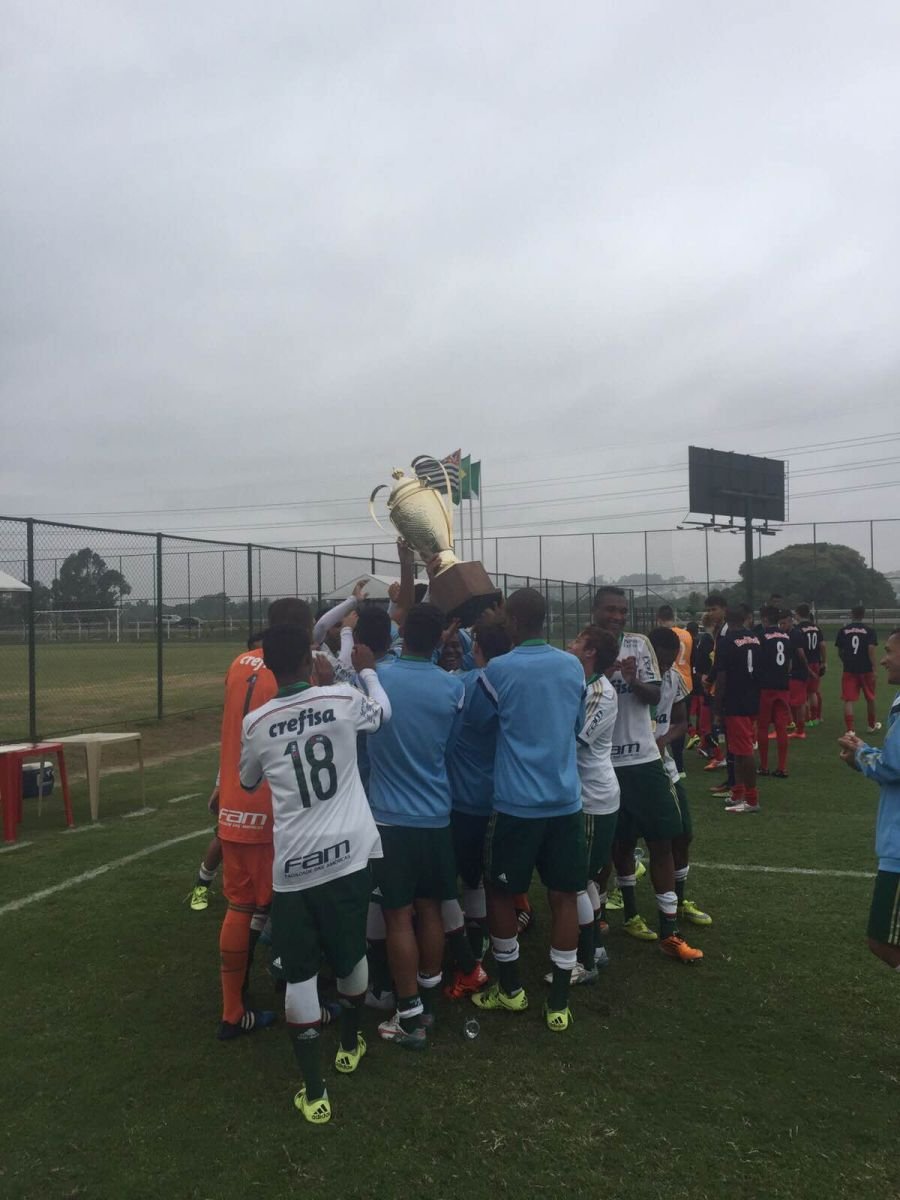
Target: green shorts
x=469 y=832
x=418 y=864
x=648 y=804
x=327 y=922
x=555 y=845
x=884 y=915
x=599 y=832
x=687 y=825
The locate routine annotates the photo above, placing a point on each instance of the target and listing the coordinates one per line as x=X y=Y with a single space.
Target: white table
x=92 y=744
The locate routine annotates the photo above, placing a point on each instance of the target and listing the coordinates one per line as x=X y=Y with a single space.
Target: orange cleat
x=715 y=764
x=466 y=985
x=676 y=947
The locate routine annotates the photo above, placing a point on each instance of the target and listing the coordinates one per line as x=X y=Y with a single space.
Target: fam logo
x=303 y=720
x=316 y=860
x=234 y=818
x=626 y=749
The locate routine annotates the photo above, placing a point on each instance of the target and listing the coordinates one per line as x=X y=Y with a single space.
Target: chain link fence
x=122 y=627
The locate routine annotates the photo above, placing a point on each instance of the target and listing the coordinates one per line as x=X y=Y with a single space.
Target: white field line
x=15 y=905
x=137 y=812
x=189 y=796
x=784 y=870
x=14 y=846
x=84 y=828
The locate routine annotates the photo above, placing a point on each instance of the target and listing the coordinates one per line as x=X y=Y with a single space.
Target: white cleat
x=743 y=807
x=874 y=728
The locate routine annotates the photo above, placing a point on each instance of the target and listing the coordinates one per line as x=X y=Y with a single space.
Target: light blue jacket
x=884 y=767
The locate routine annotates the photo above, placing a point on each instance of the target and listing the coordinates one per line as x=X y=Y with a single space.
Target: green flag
x=465 y=471
x=475 y=479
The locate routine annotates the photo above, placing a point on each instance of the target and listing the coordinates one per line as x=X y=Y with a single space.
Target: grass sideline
x=771 y=1069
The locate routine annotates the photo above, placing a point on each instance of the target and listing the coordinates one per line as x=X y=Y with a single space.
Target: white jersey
x=633 y=740
x=671 y=691
x=304 y=743
x=599 y=786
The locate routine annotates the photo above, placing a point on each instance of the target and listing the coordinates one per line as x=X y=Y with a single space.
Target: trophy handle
x=381 y=487
x=445 y=503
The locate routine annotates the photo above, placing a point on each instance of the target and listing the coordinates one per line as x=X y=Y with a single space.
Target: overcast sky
x=258 y=255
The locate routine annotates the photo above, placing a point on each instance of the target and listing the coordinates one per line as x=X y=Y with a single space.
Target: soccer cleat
x=797 y=736
x=317 y=1112
x=690 y=912
x=773 y=735
x=465 y=985
x=779 y=774
x=381 y=1000
x=558 y=1022
x=346 y=1061
x=682 y=774
x=614 y=902
x=637 y=927
x=639 y=870
x=495 y=998
x=693 y=740
x=675 y=946
x=392 y=1031
x=601 y=957
x=199 y=898
x=764 y=771
x=580 y=975
x=721 y=789
x=715 y=764
x=742 y=807
x=525 y=919
x=874 y=728
x=253 y=1019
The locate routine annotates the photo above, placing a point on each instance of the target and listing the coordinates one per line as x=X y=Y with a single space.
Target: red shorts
x=851 y=685
x=798 y=693
x=247 y=873
x=774 y=708
x=740 y=734
x=812 y=683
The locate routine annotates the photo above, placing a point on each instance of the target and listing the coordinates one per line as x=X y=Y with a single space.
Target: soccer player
x=303 y=742
x=737 y=704
x=856 y=644
x=671 y=722
x=799 y=673
x=648 y=804
x=597 y=650
x=816 y=660
x=773 y=672
x=883 y=766
x=470 y=769
x=410 y=797
x=665 y=619
x=245 y=830
x=538 y=692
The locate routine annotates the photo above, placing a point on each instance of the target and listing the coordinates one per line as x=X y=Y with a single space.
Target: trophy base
x=463 y=591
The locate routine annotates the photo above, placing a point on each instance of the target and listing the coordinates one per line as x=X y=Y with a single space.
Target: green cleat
x=639 y=871
x=558 y=1022
x=346 y=1061
x=637 y=927
x=317 y=1112
x=199 y=898
x=614 y=902
x=690 y=912
x=495 y=998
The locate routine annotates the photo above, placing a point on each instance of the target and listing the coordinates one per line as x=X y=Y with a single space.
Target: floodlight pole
x=748 y=551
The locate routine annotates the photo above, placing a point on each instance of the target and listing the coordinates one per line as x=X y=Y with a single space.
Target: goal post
x=79 y=624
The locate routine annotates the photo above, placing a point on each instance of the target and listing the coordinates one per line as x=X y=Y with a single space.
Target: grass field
x=90 y=685
x=771 y=1069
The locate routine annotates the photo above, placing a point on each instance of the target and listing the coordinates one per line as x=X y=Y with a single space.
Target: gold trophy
x=422 y=517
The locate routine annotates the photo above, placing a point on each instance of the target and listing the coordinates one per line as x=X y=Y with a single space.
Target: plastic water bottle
x=471 y=1029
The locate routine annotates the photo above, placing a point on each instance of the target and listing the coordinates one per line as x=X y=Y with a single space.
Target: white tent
x=376 y=587
x=9 y=583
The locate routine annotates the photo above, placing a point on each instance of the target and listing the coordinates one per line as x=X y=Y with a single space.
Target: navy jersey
x=737 y=656
x=701 y=659
x=813 y=636
x=774 y=671
x=799 y=669
x=853 y=642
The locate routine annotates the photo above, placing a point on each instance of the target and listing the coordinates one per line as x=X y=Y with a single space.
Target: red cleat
x=466 y=985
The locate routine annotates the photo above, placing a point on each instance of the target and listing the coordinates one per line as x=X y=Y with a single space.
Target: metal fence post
x=594 y=557
x=562 y=602
x=540 y=556
x=32 y=647
x=224 y=599
x=249 y=589
x=318 y=578
x=159 y=628
x=372 y=567
x=815 y=569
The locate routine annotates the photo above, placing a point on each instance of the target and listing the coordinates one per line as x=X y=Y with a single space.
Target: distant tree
x=637 y=579
x=832 y=575
x=85 y=581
